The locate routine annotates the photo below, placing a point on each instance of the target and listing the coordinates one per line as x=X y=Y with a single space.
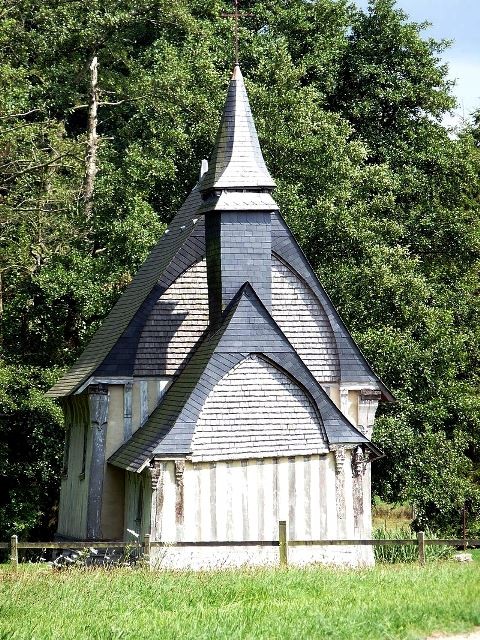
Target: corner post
x=282 y=543
x=146 y=548
x=98 y=403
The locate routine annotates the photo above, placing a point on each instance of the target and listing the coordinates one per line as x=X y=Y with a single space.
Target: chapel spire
x=237 y=162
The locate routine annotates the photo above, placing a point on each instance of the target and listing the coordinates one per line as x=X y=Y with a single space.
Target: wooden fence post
x=421 y=547
x=282 y=540
x=146 y=548
x=14 y=551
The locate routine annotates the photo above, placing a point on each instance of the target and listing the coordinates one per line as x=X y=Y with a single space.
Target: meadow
x=388 y=602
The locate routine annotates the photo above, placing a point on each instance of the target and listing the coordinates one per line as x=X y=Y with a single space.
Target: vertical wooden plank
x=143 y=401
x=348 y=495
x=222 y=506
x=260 y=499
x=282 y=489
x=98 y=401
x=213 y=500
x=307 y=463
x=205 y=502
x=244 y=469
x=316 y=502
x=282 y=539
x=169 y=529
x=236 y=482
x=252 y=500
x=14 y=551
x=127 y=410
x=421 y=547
x=291 y=495
x=275 y=492
x=268 y=506
x=198 y=509
x=189 y=485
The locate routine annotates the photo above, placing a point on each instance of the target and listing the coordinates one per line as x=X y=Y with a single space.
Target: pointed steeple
x=237 y=161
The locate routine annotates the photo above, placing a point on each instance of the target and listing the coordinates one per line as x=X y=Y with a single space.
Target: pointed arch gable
x=257 y=410
x=170 y=428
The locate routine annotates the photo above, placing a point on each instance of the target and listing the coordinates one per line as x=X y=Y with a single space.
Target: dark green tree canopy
x=383 y=200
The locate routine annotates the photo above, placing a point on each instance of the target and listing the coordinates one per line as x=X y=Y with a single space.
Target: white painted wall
x=244 y=500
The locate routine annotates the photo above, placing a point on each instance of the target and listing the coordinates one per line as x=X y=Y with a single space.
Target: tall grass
x=401 y=602
x=406 y=553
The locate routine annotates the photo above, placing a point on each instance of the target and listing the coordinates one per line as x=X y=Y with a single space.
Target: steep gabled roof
x=354 y=367
x=172 y=243
x=234 y=181
x=237 y=161
x=247 y=327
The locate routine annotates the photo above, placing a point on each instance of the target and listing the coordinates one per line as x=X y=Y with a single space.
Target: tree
x=384 y=202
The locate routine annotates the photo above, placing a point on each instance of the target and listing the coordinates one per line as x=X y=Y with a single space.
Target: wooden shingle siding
x=175 y=324
x=304 y=322
x=256 y=410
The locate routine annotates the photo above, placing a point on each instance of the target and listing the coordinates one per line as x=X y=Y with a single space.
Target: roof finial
x=236 y=15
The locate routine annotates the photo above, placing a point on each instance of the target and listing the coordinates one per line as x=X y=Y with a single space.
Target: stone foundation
x=234 y=557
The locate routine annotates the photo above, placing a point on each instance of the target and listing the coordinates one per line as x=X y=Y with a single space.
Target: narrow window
x=138 y=519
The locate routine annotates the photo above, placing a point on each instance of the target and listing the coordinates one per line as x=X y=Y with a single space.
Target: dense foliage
x=383 y=200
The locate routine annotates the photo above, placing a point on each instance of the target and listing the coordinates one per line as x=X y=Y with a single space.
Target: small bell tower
x=237 y=203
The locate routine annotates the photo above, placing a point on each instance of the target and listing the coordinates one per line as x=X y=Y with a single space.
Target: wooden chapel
x=223 y=392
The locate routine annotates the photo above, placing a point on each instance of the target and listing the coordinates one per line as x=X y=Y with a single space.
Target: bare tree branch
x=19 y=115
x=38 y=166
x=92 y=145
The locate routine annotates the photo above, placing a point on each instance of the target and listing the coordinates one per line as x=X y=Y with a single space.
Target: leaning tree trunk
x=92 y=142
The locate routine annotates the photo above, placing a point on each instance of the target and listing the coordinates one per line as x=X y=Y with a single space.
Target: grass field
x=385 y=603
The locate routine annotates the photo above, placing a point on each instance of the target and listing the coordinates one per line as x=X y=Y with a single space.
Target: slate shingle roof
x=237 y=161
x=247 y=327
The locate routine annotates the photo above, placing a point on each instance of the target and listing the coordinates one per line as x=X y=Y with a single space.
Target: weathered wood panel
x=74 y=488
x=238 y=500
x=138 y=504
x=244 y=500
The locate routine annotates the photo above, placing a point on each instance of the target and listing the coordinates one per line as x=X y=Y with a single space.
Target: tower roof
x=237 y=161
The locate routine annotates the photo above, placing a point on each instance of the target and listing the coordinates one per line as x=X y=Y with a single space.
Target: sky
x=458 y=21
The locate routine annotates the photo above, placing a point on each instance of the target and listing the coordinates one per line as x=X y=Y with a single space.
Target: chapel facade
x=223 y=392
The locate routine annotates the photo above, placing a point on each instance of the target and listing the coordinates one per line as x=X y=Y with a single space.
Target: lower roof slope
x=122 y=314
